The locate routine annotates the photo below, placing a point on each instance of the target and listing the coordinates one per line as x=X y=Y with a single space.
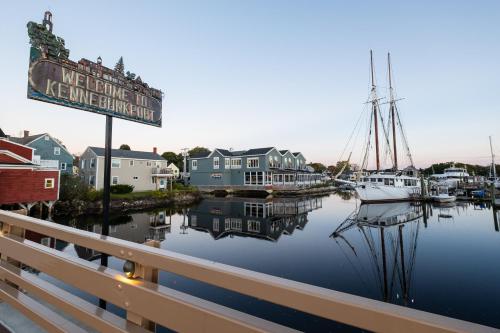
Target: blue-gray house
x=253 y=169
x=49 y=152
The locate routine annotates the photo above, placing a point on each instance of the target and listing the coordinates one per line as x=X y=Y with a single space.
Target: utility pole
x=184 y=173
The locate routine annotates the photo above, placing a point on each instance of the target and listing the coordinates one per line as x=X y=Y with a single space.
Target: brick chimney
x=26 y=133
x=155 y=151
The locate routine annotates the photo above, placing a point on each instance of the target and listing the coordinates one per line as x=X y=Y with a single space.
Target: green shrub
x=93 y=195
x=121 y=189
x=72 y=187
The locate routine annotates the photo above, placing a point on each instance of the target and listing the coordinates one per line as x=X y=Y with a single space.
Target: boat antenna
x=374 y=101
x=392 y=108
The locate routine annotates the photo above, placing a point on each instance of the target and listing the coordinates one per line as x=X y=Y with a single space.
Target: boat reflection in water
x=389 y=233
x=265 y=219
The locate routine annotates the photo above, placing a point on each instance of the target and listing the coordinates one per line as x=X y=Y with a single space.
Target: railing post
x=147 y=274
x=7 y=229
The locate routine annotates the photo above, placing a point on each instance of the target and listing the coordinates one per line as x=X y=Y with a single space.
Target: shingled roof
x=258 y=151
x=140 y=155
x=200 y=154
x=26 y=139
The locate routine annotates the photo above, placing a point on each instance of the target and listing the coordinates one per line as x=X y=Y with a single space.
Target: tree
x=124 y=147
x=172 y=157
x=334 y=169
x=318 y=167
x=198 y=150
x=120 y=67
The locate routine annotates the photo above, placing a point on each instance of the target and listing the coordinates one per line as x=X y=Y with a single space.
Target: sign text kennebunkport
x=85 y=84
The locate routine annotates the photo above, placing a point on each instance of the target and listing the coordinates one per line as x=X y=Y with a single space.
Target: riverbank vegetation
x=73 y=188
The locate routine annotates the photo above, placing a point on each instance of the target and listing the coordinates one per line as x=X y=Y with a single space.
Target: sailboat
x=381 y=186
x=493 y=179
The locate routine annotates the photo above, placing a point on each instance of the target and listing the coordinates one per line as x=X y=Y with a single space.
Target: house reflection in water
x=251 y=217
x=138 y=228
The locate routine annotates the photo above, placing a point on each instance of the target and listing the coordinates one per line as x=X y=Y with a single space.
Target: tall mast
x=392 y=106
x=493 y=166
x=374 y=109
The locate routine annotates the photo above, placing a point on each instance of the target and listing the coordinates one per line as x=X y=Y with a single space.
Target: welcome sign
x=87 y=85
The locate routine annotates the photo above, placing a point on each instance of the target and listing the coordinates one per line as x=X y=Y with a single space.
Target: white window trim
x=234 y=165
x=249 y=160
x=63 y=166
x=194 y=165
x=227 y=163
x=119 y=163
x=216 y=165
x=49 y=180
x=117 y=180
x=58 y=150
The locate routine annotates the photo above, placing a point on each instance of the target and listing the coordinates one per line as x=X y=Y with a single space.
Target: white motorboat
x=442 y=195
x=451 y=176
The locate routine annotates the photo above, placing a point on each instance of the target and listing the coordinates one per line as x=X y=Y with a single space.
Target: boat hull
x=382 y=193
x=444 y=198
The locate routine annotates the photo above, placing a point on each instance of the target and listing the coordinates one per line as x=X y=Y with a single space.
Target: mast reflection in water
x=392 y=251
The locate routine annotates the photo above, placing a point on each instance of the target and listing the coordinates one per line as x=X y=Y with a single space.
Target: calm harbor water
x=441 y=259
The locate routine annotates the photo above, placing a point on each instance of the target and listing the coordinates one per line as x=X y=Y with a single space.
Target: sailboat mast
x=392 y=106
x=493 y=166
x=375 y=109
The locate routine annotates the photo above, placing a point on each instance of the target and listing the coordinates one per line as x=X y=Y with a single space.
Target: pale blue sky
x=291 y=74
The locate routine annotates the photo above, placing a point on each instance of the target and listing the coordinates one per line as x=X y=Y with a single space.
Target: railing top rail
x=342 y=307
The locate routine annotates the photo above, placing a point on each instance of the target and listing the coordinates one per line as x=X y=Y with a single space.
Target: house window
x=83 y=164
x=114 y=180
x=254 y=178
x=131 y=162
x=115 y=163
x=269 y=178
x=194 y=164
x=49 y=183
x=91 y=180
x=227 y=163
x=92 y=162
x=236 y=163
x=216 y=162
x=253 y=226
x=215 y=224
x=57 y=150
x=46 y=138
x=63 y=166
x=148 y=163
x=253 y=162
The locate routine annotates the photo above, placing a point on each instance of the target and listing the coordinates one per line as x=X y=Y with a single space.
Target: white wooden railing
x=147 y=302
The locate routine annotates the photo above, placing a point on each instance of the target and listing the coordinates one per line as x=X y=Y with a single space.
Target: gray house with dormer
x=253 y=169
x=144 y=170
x=49 y=152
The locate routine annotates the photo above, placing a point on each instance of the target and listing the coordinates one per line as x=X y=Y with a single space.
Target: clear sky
x=290 y=74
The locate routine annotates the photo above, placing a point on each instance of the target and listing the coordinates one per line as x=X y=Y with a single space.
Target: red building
x=21 y=181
